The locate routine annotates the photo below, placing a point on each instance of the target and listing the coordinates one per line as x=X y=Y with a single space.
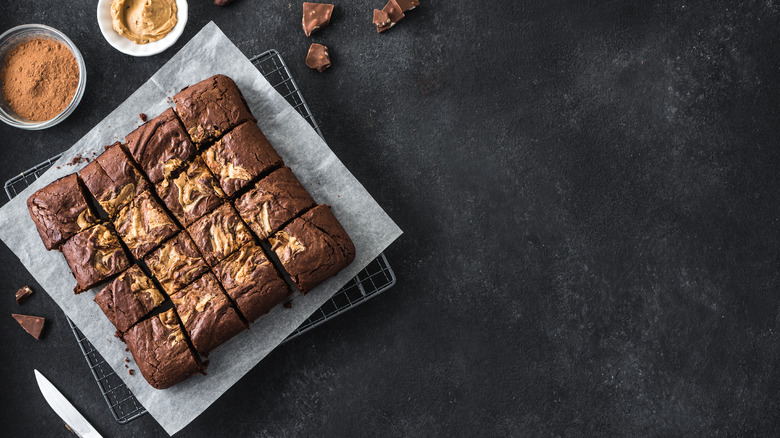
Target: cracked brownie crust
x=161 y=146
x=251 y=281
x=176 y=263
x=274 y=201
x=143 y=225
x=211 y=108
x=207 y=314
x=313 y=248
x=241 y=156
x=219 y=234
x=192 y=194
x=60 y=210
x=161 y=352
x=94 y=255
x=128 y=298
x=113 y=179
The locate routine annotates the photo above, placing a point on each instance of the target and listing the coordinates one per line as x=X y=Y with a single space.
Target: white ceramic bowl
x=19 y=34
x=128 y=47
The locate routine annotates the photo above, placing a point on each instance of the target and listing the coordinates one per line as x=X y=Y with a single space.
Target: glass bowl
x=20 y=34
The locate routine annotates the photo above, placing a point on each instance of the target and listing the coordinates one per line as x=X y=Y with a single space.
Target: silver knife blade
x=75 y=421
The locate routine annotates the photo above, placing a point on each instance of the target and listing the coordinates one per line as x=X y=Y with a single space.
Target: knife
x=72 y=418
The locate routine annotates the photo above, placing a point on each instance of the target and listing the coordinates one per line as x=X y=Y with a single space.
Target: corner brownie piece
x=206 y=314
x=128 y=298
x=176 y=263
x=251 y=281
x=241 y=156
x=143 y=225
x=161 y=352
x=313 y=248
x=161 y=146
x=211 y=108
x=60 y=210
x=219 y=234
x=275 y=200
x=192 y=194
x=113 y=179
x=94 y=255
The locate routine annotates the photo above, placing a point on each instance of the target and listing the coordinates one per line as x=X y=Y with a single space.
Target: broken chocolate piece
x=31 y=324
x=315 y=16
x=407 y=5
x=222 y=2
x=381 y=19
x=395 y=12
x=22 y=294
x=318 y=57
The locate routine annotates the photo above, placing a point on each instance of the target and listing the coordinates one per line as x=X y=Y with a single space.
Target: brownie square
x=128 y=298
x=275 y=200
x=241 y=156
x=211 y=108
x=251 y=281
x=207 y=314
x=192 y=194
x=219 y=233
x=313 y=248
x=60 y=210
x=161 y=351
x=143 y=225
x=176 y=263
x=161 y=146
x=113 y=179
x=94 y=255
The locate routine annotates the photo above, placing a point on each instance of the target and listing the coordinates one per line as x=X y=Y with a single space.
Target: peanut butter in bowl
x=143 y=21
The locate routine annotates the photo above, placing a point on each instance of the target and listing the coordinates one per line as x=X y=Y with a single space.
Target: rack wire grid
x=376 y=278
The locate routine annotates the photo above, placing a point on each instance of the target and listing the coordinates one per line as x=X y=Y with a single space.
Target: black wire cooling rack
x=376 y=278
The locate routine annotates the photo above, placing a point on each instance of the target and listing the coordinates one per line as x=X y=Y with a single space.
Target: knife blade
x=75 y=421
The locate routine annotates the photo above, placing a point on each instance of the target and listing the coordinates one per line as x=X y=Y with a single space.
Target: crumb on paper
x=288 y=305
x=142 y=116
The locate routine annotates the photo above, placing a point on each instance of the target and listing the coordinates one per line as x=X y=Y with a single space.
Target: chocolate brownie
x=128 y=298
x=113 y=179
x=275 y=200
x=143 y=225
x=176 y=263
x=192 y=194
x=94 y=255
x=161 y=351
x=211 y=108
x=207 y=314
x=241 y=156
x=313 y=248
x=60 y=210
x=251 y=281
x=161 y=146
x=219 y=233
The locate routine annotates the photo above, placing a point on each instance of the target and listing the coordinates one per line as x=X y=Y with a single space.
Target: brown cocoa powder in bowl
x=39 y=78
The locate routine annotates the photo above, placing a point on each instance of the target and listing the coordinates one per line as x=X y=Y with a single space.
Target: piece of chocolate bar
x=31 y=324
x=318 y=57
x=22 y=294
x=407 y=5
x=315 y=16
x=394 y=11
x=381 y=20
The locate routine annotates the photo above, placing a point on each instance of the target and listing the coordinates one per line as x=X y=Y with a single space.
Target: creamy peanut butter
x=143 y=21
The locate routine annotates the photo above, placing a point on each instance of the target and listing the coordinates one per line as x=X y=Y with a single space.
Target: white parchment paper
x=208 y=53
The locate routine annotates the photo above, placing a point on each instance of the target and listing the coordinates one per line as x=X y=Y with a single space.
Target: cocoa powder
x=39 y=78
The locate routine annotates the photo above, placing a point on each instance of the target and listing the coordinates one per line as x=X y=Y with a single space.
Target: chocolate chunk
x=22 y=294
x=395 y=12
x=381 y=20
x=31 y=324
x=407 y=5
x=318 y=57
x=315 y=16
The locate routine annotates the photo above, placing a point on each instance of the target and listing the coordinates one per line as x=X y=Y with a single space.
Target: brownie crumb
x=131 y=372
x=127 y=348
x=288 y=305
x=142 y=116
x=78 y=159
x=127 y=359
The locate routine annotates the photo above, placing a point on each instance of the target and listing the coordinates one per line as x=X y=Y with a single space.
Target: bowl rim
x=141 y=50
x=74 y=102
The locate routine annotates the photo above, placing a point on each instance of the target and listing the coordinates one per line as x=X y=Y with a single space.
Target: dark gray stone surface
x=589 y=194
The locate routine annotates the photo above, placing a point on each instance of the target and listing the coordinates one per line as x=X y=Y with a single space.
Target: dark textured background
x=589 y=194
